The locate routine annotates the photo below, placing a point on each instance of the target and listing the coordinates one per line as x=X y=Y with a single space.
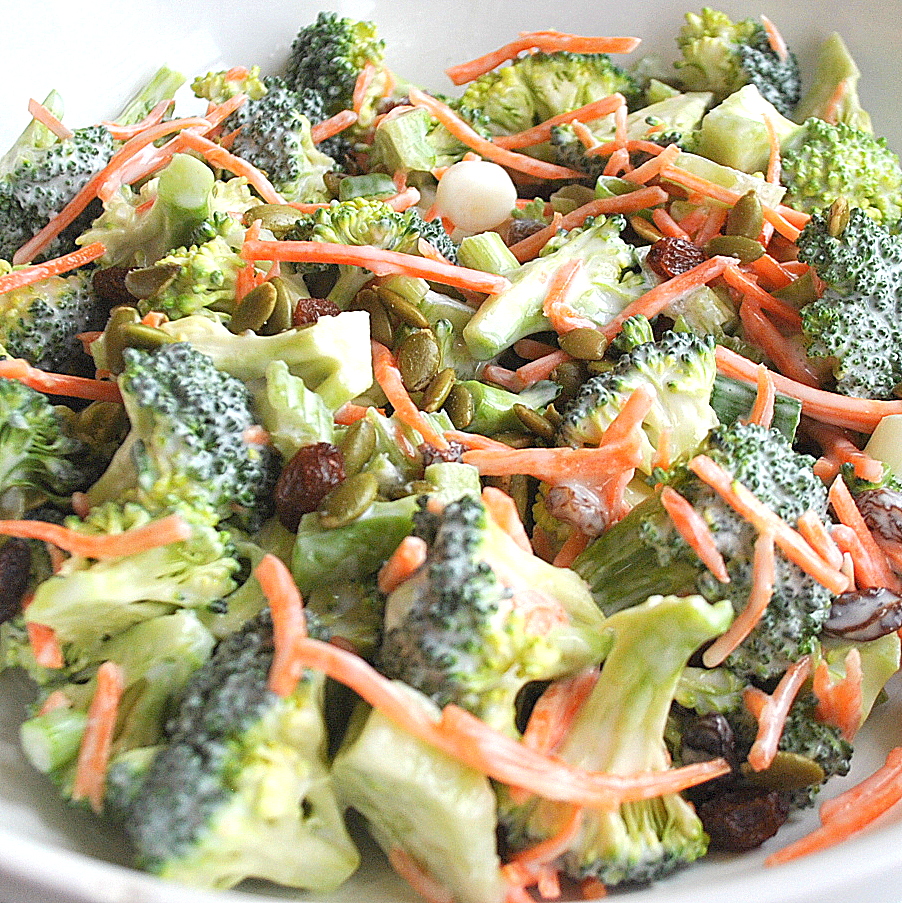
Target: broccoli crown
x=187 y=442
x=826 y=161
x=196 y=278
x=328 y=55
x=40 y=322
x=275 y=136
x=541 y=85
x=434 y=232
x=466 y=629
x=44 y=179
x=721 y=55
x=679 y=368
x=240 y=787
x=857 y=321
x=40 y=461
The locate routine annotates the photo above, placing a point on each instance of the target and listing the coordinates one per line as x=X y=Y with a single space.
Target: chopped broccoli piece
x=351 y=611
x=823 y=162
x=856 y=322
x=471 y=626
x=218 y=87
x=721 y=56
x=240 y=787
x=493 y=408
x=620 y=729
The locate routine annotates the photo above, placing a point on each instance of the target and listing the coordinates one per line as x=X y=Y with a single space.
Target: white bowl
x=96 y=54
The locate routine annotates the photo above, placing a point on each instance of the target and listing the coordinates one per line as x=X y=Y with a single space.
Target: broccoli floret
x=240 y=787
x=187 y=441
x=218 y=87
x=679 y=368
x=823 y=162
x=328 y=55
x=471 y=626
x=538 y=86
x=857 y=322
x=620 y=729
x=435 y=233
x=721 y=55
x=39 y=322
x=643 y=554
x=607 y=283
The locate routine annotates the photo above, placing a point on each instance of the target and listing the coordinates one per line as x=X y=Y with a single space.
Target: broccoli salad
x=518 y=469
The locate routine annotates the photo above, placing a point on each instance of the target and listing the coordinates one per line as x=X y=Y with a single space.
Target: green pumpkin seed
x=519 y=490
x=280 y=318
x=114 y=342
x=553 y=416
x=800 y=291
x=437 y=391
x=254 y=309
x=645 y=230
x=381 y=329
x=584 y=343
x=357 y=445
x=332 y=180
x=745 y=217
x=746 y=249
x=838 y=217
x=347 y=501
x=278 y=218
x=514 y=440
x=788 y=771
x=569 y=376
x=403 y=309
x=139 y=335
x=459 y=406
x=418 y=360
x=147 y=281
x=534 y=422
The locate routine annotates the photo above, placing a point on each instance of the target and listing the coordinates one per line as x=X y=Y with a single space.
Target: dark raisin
x=865 y=614
x=741 y=819
x=882 y=512
x=669 y=257
x=523 y=228
x=109 y=287
x=309 y=310
x=433 y=455
x=15 y=566
x=306 y=480
x=708 y=737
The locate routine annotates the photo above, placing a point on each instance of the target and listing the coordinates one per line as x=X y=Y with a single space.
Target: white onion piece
x=476 y=195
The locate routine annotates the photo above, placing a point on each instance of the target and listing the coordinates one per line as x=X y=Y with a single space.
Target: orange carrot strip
x=417 y=877
x=531 y=350
x=162 y=532
x=859 y=414
x=388 y=376
x=546 y=851
x=692 y=527
x=125 y=132
x=773 y=160
x=529 y=247
x=713 y=223
x=874 y=796
x=576 y=543
x=333 y=125
x=362 y=85
x=762 y=411
x=839 y=449
x=617 y=163
x=818 y=537
x=289 y=623
x=542 y=132
x=55 y=701
x=839 y=702
x=668 y=225
x=735 y=278
x=560 y=313
x=542 y=368
x=545 y=41
x=866 y=569
x=848 y=801
x=788 y=356
x=771 y=272
x=501 y=376
x=798 y=218
x=45 y=645
x=350 y=413
x=465 y=133
x=775 y=39
x=407 y=558
x=89 y=782
x=832 y=107
x=475 y=440
x=773 y=714
x=654 y=301
x=503 y=510
x=59 y=383
x=377 y=260
x=38 y=271
x=763 y=580
x=404 y=200
x=554 y=711
x=662 y=458
x=651 y=168
x=744 y=503
x=45 y=117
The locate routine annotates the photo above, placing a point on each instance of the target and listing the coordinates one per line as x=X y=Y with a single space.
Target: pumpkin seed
x=418 y=359
x=459 y=406
x=278 y=218
x=745 y=217
x=788 y=771
x=553 y=416
x=403 y=309
x=534 y=422
x=347 y=501
x=437 y=391
x=514 y=440
x=114 y=342
x=800 y=291
x=569 y=376
x=140 y=335
x=357 y=445
x=280 y=318
x=147 y=281
x=746 y=249
x=645 y=230
x=381 y=329
x=254 y=309
x=584 y=343
x=838 y=217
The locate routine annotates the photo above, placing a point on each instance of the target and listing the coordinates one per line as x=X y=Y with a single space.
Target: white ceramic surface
x=96 y=52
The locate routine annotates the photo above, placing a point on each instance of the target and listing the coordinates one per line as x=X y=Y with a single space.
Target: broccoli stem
x=162 y=86
x=732 y=400
x=487 y=252
x=52 y=740
x=493 y=408
x=183 y=197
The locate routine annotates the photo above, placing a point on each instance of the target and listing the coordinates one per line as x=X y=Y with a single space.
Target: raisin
x=313 y=472
x=15 y=566
x=669 y=257
x=109 y=287
x=741 y=819
x=309 y=310
x=523 y=228
x=433 y=455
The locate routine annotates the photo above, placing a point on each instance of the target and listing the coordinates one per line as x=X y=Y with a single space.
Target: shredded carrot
x=556 y=306
x=529 y=247
x=501 y=376
x=289 y=623
x=654 y=301
x=713 y=223
x=763 y=518
x=544 y=41
x=773 y=160
x=532 y=350
x=735 y=278
x=667 y=225
x=775 y=39
x=465 y=133
x=787 y=353
x=695 y=531
x=762 y=411
x=55 y=701
x=839 y=449
x=45 y=117
x=662 y=457
x=59 y=383
x=651 y=168
x=332 y=126
x=377 y=260
x=868 y=801
x=38 y=271
x=125 y=132
x=362 y=86
x=554 y=711
x=763 y=580
x=350 y=413
x=839 y=702
x=866 y=567
x=45 y=645
x=404 y=561
x=417 y=877
x=773 y=713
x=618 y=162
x=542 y=132
x=389 y=378
x=530 y=864
x=162 y=532
x=818 y=537
x=835 y=102
x=576 y=543
x=475 y=440
x=404 y=200
x=89 y=782
x=771 y=272
x=503 y=510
